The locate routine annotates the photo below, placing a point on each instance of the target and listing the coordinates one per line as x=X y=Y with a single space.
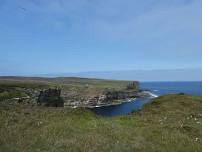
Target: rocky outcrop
x=109 y=96
x=51 y=98
x=133 y=86
x=116 y=95
x=131 y=91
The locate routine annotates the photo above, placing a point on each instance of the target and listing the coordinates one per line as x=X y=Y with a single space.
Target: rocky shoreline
x=115 y=98
x=106 y=105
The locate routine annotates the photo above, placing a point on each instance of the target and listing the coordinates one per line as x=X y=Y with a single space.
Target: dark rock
x=133 y=86
x=50 y=98
x=124 y=94
x=20 y=100
x=131 y=91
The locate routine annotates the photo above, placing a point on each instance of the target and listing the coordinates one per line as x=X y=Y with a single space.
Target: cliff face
x=131 y=91
x=116 y=95
x=51 y=98
x=133 y=86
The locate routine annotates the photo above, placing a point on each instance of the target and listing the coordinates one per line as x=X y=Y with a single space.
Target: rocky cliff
x=131 y=91
x=51 y=98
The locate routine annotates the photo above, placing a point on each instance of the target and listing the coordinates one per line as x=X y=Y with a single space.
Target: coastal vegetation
x=169 y=123
x=81 y=87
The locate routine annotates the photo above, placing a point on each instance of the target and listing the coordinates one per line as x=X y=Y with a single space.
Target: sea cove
x=33 y=116
x=157 y=89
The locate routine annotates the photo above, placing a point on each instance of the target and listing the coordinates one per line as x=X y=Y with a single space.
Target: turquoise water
x=157 y=88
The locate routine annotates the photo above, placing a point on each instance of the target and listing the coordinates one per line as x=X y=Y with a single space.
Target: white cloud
x=121 y=19
x=155 y=23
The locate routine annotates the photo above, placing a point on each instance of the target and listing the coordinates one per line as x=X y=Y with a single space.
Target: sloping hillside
x=170 y=123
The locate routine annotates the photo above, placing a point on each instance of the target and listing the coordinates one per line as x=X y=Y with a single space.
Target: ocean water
x=156 y=88
x=162 y=88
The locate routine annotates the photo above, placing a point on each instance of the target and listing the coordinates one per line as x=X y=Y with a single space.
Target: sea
x=156 y=89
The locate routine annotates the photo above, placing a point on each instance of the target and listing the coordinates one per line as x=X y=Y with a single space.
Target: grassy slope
x=71 y=87
x=168 y=124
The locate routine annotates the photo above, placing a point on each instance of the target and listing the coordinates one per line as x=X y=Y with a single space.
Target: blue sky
x=50 y=36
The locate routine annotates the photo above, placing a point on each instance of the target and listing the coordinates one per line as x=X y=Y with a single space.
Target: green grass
x=11 y=94
x=14 y=89
x=170 y=123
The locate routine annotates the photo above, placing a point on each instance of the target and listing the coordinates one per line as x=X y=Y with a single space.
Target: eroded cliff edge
x=111 y=96
x=81 y=92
